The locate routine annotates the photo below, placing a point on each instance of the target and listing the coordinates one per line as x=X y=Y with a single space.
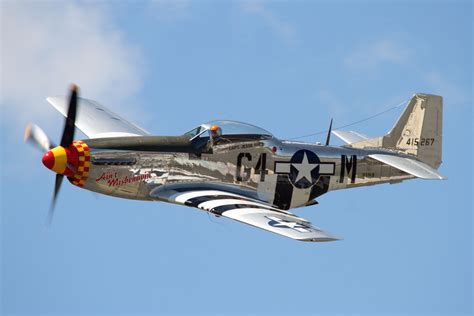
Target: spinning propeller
x=61 y=159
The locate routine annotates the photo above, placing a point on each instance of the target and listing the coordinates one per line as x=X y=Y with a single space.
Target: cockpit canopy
x=231 y=131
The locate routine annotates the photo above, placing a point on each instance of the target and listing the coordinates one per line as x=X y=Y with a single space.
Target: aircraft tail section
x=417 y=132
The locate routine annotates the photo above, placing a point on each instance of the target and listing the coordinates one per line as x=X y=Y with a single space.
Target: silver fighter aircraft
x=233 y=169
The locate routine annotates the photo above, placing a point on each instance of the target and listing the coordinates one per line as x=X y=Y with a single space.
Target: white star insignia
x=281 y=223
x=304 y=169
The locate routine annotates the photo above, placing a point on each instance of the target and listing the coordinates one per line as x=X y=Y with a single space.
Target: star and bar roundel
x=304 y=168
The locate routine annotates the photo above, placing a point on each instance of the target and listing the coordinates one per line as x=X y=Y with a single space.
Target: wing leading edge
x=97 y=121
x=245 y=210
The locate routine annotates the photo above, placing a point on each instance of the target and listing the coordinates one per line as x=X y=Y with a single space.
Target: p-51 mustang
x=233 y=169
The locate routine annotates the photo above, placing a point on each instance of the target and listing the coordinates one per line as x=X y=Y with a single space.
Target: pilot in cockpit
x=216 y=133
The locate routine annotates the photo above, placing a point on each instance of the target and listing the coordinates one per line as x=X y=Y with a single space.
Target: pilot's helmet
x=216 y=130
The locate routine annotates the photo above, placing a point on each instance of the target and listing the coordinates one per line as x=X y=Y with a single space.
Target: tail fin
x=417 y=132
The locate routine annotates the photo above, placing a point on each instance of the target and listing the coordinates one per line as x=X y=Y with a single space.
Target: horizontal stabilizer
x=350 y=137
x=410 y=166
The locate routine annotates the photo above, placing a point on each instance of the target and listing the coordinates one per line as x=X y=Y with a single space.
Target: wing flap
x=245 y=210
x=410 y=166
x=95 y=120
x=349 y=137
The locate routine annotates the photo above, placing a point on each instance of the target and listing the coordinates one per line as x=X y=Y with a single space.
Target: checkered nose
x=62 y=160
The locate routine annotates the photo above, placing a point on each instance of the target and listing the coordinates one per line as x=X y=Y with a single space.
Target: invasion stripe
x=230 y=207
x=183 y=197
x=214 y=201
x=219 y=204
x=209 y=205
x=205 y=198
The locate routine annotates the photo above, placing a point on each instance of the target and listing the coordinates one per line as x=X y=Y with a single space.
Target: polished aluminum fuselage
x=262 y=169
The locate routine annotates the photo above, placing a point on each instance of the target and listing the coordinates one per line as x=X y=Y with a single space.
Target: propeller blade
x=57 y=186
x=38 y=138
x=329 y=134
x=69 y=128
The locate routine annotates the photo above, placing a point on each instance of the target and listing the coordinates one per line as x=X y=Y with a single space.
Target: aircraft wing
x=349 y=137
x=95 y=120
x=245 y=210
x=410 y=166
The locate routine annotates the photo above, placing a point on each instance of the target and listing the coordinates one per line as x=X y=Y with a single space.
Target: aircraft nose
x=48 y=160
x=57 y=160
x=72 y=161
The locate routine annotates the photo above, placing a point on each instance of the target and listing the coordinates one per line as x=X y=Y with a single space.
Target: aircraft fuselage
x=281 y=173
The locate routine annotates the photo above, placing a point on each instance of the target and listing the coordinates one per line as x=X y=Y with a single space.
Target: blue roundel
x=304 y=169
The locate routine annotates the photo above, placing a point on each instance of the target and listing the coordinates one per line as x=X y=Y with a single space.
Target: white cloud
x=274 y=22
x=373 y=55
x=47 y=46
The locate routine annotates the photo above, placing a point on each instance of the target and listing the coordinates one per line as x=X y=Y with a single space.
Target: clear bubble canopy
x=231 y=128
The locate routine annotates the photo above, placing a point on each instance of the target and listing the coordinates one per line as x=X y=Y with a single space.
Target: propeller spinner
x=62 y=159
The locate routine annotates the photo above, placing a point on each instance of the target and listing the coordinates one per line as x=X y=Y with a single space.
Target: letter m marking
x=349 y=167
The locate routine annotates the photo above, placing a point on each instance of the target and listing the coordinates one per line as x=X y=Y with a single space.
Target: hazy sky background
x=285 y=66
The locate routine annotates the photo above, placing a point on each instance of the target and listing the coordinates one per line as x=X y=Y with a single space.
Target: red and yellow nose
x=73 y=162
x=61 y=160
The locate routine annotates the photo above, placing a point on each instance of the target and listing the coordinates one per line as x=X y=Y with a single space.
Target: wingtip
x=52 y=99
x=322 y=239
x=435 y=177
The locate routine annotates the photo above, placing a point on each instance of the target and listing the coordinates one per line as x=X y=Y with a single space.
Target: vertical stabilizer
x=417 y=132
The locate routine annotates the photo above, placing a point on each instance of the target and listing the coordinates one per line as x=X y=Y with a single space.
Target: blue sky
x=286 y=66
